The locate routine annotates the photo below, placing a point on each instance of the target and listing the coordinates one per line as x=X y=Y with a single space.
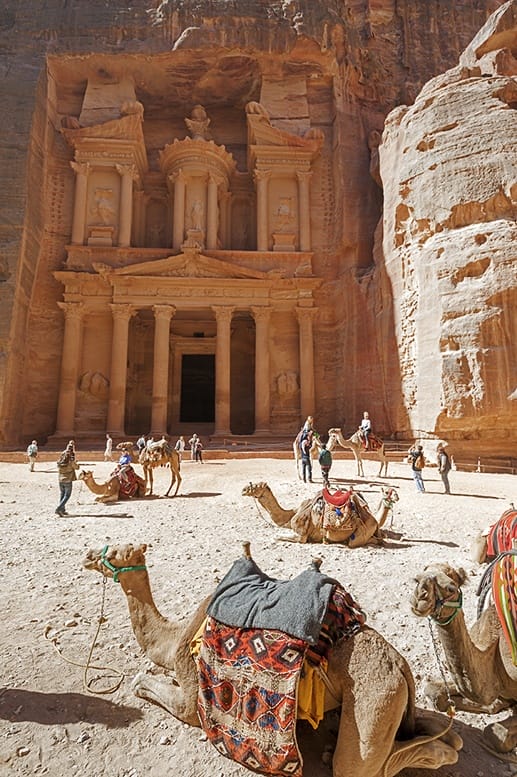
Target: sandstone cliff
x=448 y=165
x=359 y=60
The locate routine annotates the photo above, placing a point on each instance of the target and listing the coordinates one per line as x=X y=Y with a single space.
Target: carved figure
x=479 y=661
x=104 y=209
x=110 y=491
x=257 y=109
x=196 y=215
x=306 y=522
x=355 y=445
x=284 y=215
x=94 y=383
x=371 y=682
x=160 y=455
x=198 y=123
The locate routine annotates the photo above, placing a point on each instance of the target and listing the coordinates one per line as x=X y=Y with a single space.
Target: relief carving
x=287 y=383
x=104 y=209
x=198 y=123
x=95 y=384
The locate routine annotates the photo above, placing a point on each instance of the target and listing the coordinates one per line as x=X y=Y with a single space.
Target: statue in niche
x=198 y=123
x=104 y=209
x=196 y=216
x=95 y=384
x=284 y=217
x=287 y=383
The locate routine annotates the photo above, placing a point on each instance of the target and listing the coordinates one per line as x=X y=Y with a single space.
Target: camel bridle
x=118 y=570
x=442 y=602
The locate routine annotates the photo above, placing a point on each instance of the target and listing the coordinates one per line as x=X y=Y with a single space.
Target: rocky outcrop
x=338 y=67
x=450 y=188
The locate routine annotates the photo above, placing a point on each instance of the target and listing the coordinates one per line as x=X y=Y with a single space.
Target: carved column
x=305 y=318
x=70 y=360
x=127 y=173
x=178 y=227
x=162 y=321
x=223 y=316
x=304 y=210
x=139 y=218
x=225 y=230
x=118 y=376
x=212 y=216
x=262 y=371
x=81 y=190
x=261 y=178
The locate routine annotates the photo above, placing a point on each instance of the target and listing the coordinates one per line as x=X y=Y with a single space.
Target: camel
x=479 y=661
x=356 y=446
x=111 y=490
x=371 y=683
x=160 y=456
x=504 y=531
x=306 y=522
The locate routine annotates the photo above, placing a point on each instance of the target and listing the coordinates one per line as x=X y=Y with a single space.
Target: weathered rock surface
x=448 y=165
x=339 y=67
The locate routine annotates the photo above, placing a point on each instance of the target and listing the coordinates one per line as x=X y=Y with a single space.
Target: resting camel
x=379 y=733
x=110 y=491
x=356 y=446
x=307 y=521
x=480 y=661
x=160 y=456
x=500 y=535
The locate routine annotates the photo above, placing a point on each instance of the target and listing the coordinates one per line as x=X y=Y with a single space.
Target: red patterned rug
x=501 y=534
x=247 y=696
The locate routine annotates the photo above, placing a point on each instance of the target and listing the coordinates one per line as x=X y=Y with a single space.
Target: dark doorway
x=197 y=402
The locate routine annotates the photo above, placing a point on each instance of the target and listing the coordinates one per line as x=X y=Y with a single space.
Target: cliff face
x=380 y=342
x=448 y=165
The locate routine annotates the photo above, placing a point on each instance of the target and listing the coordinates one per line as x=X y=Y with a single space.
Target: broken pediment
x=190 y=264
x=262 y=133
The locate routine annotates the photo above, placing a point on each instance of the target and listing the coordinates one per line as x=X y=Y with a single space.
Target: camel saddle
x=374 y=443
x=337 y=499
x=502 y=534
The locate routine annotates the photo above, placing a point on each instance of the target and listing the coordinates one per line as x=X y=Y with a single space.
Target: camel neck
x=156 y=635
x=469 y=665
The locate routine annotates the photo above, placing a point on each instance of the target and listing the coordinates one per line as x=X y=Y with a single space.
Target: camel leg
x=173 y=698
x=437 y=695
x=502 y=736
x=150 y=480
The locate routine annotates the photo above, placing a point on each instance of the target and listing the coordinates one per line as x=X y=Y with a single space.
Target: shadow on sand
x=49 y=709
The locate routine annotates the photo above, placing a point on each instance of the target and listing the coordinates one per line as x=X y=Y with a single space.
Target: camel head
x=112 y=560
x=479 y=547
x=438 y=592
x=255 y=489
x=389 y=494
x=125 y=446
x=85 y=474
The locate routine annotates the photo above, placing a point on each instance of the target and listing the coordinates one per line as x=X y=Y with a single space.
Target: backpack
x=420 y=461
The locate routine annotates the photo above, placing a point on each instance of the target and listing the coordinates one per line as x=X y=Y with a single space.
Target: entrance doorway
x=197 y=402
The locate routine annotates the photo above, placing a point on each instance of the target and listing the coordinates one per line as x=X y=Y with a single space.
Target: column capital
x=223 y=314
x=304 y=176
x=179 y=176
x=164 y=312
x=262 y=313
x=262 y=175
x=80 y=168
x=72 y=309
x=129 y=170
x=122 y=311
x=305 y=314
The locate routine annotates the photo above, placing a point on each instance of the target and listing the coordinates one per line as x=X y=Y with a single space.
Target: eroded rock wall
x=367 y=56
x=449 y=169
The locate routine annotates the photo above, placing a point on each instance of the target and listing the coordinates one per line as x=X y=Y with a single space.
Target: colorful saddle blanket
x=127 y=478
x=501 y=534
x=249 y=683
x=504 y=582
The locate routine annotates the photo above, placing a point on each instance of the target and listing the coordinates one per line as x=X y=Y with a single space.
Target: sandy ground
x=50 y=724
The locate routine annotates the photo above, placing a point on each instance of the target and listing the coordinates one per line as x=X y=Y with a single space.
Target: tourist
x=365 y=428
x=32 y=454
x=305 y=447
x=140 y=444
x=444 y=467
x=325 y=461
x=193 y=442
x=417 y=461
x=66 y=467
x=180 y=446
x=108 y=453
x=198 y=451
x=307 y=428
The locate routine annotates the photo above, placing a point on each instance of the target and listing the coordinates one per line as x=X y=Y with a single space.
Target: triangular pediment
x=189 y=264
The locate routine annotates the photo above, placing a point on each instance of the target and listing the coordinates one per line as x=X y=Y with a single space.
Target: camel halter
x=117 y=570
x=456 y=606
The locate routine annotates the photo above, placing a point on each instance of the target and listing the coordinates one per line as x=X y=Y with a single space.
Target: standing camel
x=160 y=456
x=368 y=681
x=356 y=446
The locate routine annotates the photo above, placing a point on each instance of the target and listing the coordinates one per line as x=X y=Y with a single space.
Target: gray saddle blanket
x=249 y=599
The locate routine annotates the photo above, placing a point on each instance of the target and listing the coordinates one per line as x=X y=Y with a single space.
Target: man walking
x=417 y=461
x=66 y=467
x=305 y=448
x=325 y=461
x=32 y=454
